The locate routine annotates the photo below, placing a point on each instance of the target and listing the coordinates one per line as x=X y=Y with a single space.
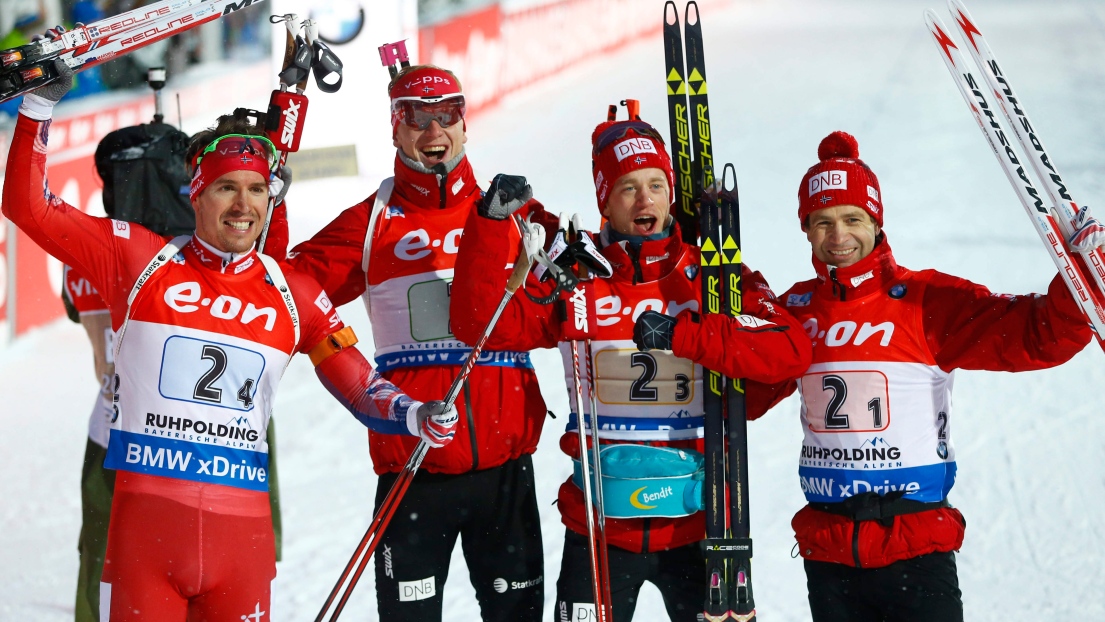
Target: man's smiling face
x=432 y=145
x=841 y=235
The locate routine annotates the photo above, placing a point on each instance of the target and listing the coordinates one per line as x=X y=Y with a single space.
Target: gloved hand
x=533 y=239
x=279 y=183
x=433 y=422
x=39 y=103
x=653 y=331
x=1088 y=234
x=506 y=194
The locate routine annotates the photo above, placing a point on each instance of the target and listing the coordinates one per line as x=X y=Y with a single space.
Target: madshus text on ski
x=670 y=343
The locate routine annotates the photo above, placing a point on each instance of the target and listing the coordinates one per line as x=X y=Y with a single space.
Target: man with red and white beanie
x=396 y=250
x=649 y=403
x=877 y=464
x=204 y=327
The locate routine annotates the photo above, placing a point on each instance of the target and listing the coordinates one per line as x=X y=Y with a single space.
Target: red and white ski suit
x=876 y=402
x=663 y=277
x=201 y=342
x=409 y=257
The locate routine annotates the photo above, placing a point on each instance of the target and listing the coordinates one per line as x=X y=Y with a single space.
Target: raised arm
x=487 y=252
x=968 y=327
x=110 y=253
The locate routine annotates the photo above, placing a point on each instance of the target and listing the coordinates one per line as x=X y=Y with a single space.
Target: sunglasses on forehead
x=619 y=131
x=417 y=113
x=233 y=144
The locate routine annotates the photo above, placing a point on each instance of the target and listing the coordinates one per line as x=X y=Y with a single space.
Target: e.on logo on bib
x=847 y=331
x=417 y=244
x=828 y=180
x=224 y=307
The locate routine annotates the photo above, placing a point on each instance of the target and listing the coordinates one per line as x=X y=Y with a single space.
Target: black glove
x=506 y=194
x=653 y=331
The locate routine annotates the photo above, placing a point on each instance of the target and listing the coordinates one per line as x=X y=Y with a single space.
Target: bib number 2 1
x=853 y=401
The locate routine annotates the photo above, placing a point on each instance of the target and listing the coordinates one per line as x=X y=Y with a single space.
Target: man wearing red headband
x=878 y=534
x=205 y=327
x=650 y=413
x=396 y=250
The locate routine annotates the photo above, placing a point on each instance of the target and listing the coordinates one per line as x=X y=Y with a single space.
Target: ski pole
x=287 y=98
x=391 y=502
x=601 y=606
x=603 y=576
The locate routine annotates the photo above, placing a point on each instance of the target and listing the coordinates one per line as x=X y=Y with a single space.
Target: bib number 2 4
x=210 y=373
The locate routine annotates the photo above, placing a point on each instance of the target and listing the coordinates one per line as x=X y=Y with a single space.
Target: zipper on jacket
x=634 y=253
x=442 y=178
x=838 y=289
x=471 y=425
x=855 y=543
x=644 y=535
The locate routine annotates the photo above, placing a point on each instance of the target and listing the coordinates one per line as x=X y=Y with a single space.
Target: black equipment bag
x=146 y=177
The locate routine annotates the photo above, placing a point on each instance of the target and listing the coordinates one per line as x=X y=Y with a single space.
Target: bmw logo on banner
x=339 y=21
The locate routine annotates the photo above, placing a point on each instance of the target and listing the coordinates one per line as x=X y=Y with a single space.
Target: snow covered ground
x=782 y=75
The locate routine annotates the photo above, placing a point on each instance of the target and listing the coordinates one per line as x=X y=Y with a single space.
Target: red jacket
x=775 y=353
x=876 y=315
x=501 y=407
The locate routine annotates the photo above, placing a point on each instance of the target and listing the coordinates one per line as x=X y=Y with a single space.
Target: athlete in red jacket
x=878 y=461
x=396 y=250
x=205 y=327
x=650 y=402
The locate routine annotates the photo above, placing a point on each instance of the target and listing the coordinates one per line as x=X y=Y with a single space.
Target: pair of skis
x=716 y=221
x=1053 y=217
x=30 y=66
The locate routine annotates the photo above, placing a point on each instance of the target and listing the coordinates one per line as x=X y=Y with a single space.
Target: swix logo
x=224 y=307
x=847 y=331
x=243 y=266
x=610 y=311
x=291 y=122
x=828 y=180
x=387 y=562
x=579 y=309
x=416 y=244
x=633 y=146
